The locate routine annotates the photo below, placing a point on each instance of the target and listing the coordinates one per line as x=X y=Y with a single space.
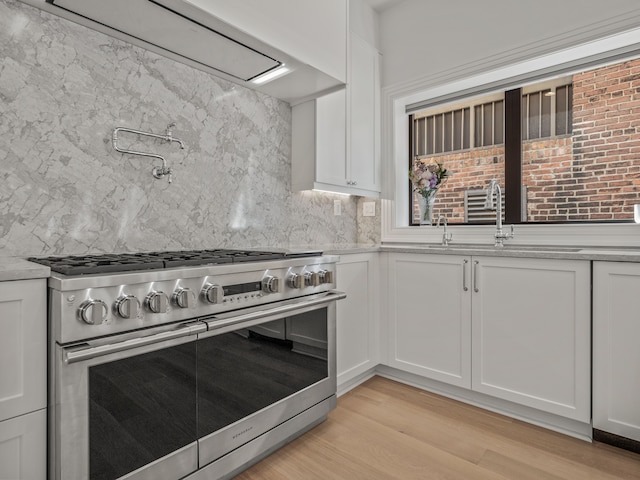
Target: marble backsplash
x=65 y=190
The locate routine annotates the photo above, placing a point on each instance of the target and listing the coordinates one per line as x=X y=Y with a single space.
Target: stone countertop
x=339 y=249
x=12 y=268
x=605 y=253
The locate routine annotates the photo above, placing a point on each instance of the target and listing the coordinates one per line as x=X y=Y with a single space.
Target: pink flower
x=427 y=177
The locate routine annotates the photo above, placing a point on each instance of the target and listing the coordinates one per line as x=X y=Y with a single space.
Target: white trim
x=395 y=195
x=550 y=421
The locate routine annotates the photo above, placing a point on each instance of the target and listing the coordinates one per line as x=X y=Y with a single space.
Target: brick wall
x=606 y=142
x=593 y=174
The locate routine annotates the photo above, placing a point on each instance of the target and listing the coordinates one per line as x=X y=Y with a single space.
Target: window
x=546 y=113
x=489 y=124
x=577 y=155
x=442 y=132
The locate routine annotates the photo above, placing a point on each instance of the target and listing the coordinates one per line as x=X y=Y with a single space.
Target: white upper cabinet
x=335 y=138
x=364 y=115
x=237 y=41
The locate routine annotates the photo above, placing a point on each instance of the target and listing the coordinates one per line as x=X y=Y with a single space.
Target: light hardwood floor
x=387 y=430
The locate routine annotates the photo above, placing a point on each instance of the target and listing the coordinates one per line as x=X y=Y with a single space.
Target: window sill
x=584 y=235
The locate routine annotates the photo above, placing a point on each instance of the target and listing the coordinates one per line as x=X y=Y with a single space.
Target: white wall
x=454 y=39
x=310 y=31
x=364 y=21
x=65 y=190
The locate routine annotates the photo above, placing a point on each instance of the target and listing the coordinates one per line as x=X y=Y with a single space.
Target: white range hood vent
x=178 y=28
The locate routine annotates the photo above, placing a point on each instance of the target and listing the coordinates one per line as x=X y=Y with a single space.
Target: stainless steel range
x=189 y=365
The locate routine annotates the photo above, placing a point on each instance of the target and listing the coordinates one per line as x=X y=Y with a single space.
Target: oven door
x=126 y=407
x=260 y=368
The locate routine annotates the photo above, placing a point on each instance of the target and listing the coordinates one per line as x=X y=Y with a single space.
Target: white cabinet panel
x=531 y=333
x=616 y=348
x=357 y=315
x=430 y=317
x=23 y=347
x=513 y=328
x=335 y=143
x=364 y=132
x=331 y=131
x=23 y=447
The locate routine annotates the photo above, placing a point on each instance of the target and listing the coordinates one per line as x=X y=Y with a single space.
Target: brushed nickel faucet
x=158 y=171
x=489 y=204
x=446 y=237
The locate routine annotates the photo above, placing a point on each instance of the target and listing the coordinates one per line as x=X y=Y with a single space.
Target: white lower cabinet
x=23 y=346
x=23 y=447
x=616 y=348
x=430 y=317
x=357 y=316
x=513 y=328
x=23 y=379
x=531 y=333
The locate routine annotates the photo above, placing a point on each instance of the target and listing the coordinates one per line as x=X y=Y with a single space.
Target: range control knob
x=312 y=279
x=184 y=297
x=213 y=293
x=157 y=302
x=93 y=312
x=270 y=284
x=295 y=280
x=127 y=306
x=326 y=276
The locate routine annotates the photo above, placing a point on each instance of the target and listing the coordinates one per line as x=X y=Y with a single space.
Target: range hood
x=184 y=32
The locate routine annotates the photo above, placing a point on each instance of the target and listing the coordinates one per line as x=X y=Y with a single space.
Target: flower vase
x=426 y=209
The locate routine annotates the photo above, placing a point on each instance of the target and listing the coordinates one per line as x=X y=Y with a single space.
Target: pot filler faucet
x=489 y=204
x=158 y=171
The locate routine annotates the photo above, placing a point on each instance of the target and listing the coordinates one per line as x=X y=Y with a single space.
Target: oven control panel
x=120 y=306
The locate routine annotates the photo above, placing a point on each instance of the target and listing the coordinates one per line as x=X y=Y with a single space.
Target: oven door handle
x=81 y=353
x=225 y=320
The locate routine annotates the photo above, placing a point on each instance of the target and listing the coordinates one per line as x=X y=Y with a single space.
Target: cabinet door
x=364 y=151
x=616 y=348
x=531 y=333
x=23 y=447
x=429 y=316
x=357 y=325
x=23 y=347
x=331 y=160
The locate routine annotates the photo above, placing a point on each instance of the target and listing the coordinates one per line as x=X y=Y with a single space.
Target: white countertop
x=615 y=254
x=12 y=268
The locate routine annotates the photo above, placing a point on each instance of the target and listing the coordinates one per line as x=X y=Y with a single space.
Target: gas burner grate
x=126 y=262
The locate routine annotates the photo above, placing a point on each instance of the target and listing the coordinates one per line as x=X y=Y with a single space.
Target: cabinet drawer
x=23 y=447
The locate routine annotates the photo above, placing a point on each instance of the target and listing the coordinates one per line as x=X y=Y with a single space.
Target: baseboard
x=616 y=440
x=353 y=382
x=573 y=428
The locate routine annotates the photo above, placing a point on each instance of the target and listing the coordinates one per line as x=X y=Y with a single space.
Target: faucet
x=494 y=189
x=168 y=135
x=446 y=237
x=157 y=172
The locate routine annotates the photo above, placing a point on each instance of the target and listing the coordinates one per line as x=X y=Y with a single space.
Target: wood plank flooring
x=386 y=430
